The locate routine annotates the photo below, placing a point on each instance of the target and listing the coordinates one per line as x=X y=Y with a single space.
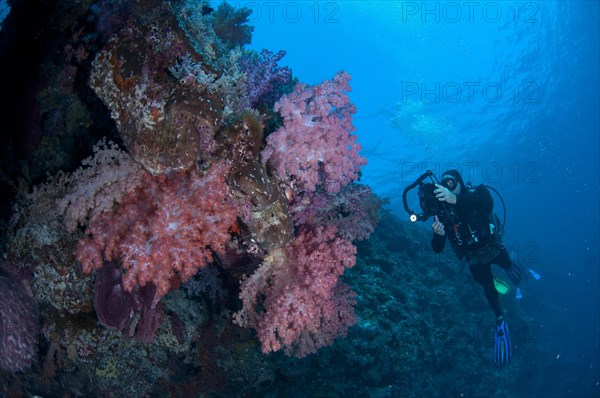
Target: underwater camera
x=430 y=205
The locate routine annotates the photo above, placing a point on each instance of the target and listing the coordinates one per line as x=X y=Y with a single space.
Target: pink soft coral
x=305 y=306
x=163 y=231
x=315 y=146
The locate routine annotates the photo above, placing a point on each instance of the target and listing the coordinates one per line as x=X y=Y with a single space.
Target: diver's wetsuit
x=467 y=225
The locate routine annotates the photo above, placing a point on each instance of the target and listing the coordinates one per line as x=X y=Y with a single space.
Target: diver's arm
x=439 y=235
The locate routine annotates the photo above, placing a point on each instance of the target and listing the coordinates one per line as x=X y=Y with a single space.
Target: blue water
x=505 y=91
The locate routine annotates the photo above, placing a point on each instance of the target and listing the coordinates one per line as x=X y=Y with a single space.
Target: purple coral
x=354 y=211
x=152 y=315
x=115 y=307
x=265 y=78
x=18 y=324
x=112 y=303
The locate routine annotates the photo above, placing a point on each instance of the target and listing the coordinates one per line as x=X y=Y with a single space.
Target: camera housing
x=428 y=201
x=430 y=205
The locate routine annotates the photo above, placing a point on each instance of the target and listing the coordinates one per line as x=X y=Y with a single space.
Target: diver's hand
x=444 y=195
x=438 y=227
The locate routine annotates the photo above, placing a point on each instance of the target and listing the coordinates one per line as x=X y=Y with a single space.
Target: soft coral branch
x=305 y=305
x=163 y=231
x=315 y=146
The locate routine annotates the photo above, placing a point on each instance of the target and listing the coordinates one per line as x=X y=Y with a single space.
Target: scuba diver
x=475 y=234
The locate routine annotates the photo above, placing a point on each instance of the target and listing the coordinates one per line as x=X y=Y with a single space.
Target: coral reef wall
x=155 y=164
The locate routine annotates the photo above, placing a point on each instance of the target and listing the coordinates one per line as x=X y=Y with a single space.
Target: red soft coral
x=315 y=146
x=163 y=231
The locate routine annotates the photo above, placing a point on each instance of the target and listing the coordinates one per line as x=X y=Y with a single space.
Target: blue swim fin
x=534 y=274
x=503 y=344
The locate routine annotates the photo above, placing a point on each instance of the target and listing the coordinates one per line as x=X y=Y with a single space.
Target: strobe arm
x=414 y=217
